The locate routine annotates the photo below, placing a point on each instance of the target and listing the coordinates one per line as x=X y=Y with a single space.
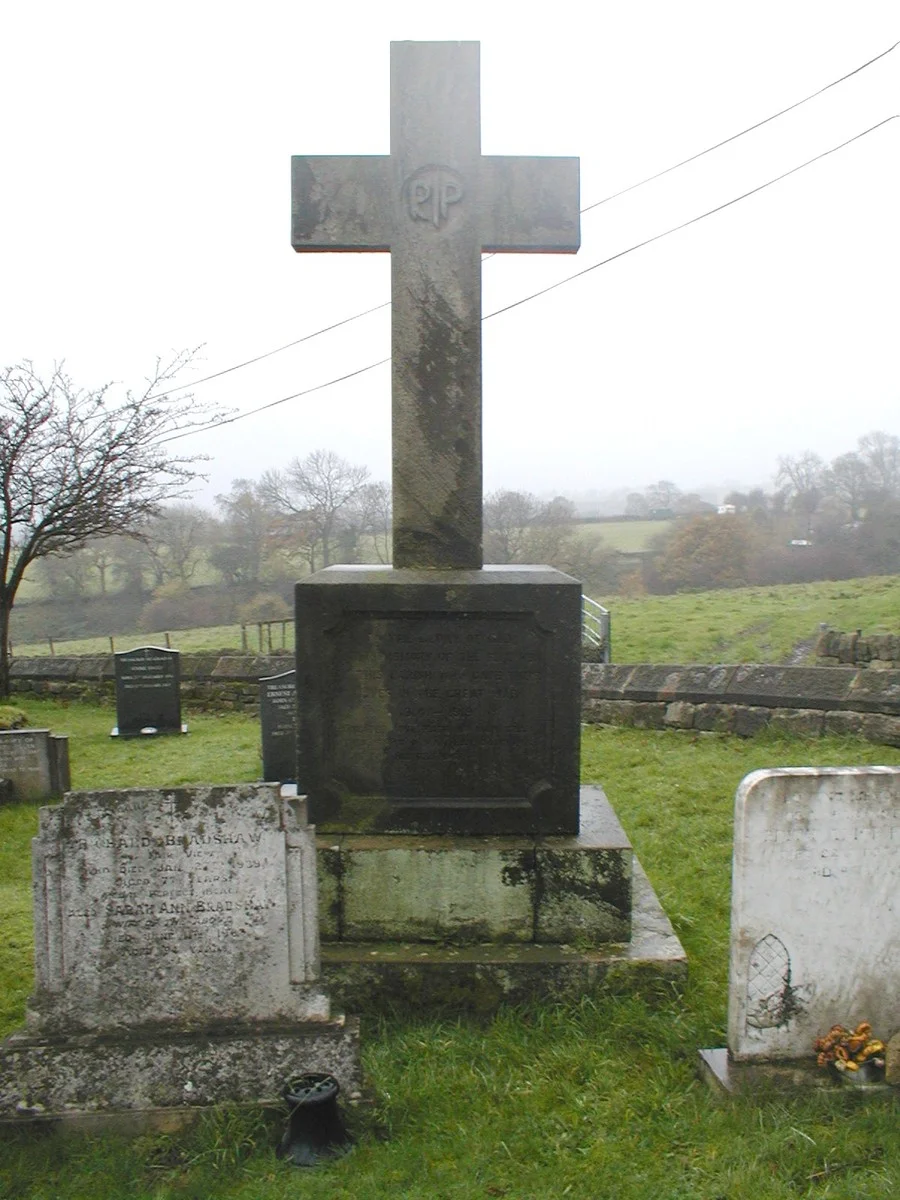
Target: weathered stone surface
x=154 y=1068
x=375 y=977
x=278 y=726
x=771 y=687
x=892 y=1061
x=748 y=721
x=461 y=890
x=680 y=714
x=799 y=722
x=844 y=724
x=875 y=691
x=718 y=718
x=36 y=763
x=439 y=702
x=190 y=906
x=814 y=908
x=878 y=727
x=148 y=696
x=436 y=204
x=646 y=715
x=437 y=889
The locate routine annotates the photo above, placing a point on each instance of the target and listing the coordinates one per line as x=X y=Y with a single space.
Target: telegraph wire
x=749 y=129
x=543 y=291
x=615 y=195
x=693 y=220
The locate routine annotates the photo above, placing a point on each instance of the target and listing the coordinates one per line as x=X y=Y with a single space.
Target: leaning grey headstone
x=176 y=954
x=148 y=692
x=35 y=762
x=278 y=721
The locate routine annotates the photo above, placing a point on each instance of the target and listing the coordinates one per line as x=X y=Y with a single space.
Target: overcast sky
x=146 y=204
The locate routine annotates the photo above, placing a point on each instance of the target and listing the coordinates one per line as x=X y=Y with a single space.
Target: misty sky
x=146 y=205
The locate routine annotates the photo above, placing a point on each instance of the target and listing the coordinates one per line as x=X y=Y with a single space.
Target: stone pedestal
x=439 y=702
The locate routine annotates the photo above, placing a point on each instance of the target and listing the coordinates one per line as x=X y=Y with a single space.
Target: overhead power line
x=614 y=196
x=543 y=291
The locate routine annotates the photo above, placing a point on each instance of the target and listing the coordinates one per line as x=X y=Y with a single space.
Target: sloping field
x=759 y=624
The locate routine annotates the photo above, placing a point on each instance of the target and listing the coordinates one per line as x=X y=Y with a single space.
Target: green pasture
x=777 y=624
x=626 y=536
x=596 y=1100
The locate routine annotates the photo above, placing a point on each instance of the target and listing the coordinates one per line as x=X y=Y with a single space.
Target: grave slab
x=176 y=954
x=278 y=726
x=35 y=762
x=815 y=918
x=148 y=692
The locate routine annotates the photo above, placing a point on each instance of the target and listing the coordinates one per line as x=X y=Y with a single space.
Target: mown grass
x=596 y=1100
x=760 y=624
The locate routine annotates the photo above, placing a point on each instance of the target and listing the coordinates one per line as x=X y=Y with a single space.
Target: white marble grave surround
x=179 y=907
x=815 y=916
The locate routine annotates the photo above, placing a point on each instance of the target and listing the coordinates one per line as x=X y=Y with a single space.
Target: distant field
x=627 y=536
x=761 y=624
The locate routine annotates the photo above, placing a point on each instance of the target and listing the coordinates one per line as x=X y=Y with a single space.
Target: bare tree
x=312 y=494
x=880 y=452
x=802 y=480
x=76 y=464
x=507 y=518
x=849 y=480
x=174 y=541
x=246 y=532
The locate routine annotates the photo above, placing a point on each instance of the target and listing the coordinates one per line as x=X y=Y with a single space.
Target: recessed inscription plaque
x=463 y=690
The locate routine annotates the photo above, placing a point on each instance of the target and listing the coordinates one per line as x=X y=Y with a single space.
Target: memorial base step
x=369 y=977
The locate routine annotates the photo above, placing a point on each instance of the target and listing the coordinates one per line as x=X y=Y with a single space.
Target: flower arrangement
x=848 y=1050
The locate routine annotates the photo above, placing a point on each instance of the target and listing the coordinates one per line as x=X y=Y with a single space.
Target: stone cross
x=436 y=203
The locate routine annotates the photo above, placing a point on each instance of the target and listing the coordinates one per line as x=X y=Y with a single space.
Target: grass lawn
x=595 y=1100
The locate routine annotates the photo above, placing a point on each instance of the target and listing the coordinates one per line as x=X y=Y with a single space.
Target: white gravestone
x=190 y=905
x=815 y=918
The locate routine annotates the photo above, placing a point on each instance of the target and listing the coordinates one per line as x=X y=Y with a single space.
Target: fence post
x=112 y=646
x=243 y=637
x=52 y=651
x=269 y=635
x=259 y=632
x=168 y=642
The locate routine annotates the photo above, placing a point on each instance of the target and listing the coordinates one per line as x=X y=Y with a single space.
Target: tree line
x=91 y=500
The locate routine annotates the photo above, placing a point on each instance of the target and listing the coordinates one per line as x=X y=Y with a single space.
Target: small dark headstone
x=278 y=718
x=148 y=696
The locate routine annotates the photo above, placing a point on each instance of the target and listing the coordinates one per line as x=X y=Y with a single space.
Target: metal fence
x=595 y=629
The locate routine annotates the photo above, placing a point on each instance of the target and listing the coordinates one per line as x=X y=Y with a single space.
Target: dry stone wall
x=745 y=699
x=741 y=699
x=880 y=652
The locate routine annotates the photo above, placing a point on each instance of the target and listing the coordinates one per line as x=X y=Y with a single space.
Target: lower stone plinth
x=117 y=1080
x=380 y=976
x=732 y=1077
x=463 y=890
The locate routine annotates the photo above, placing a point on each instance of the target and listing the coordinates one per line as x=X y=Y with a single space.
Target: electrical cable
x=543 y=291
x=615 y=195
